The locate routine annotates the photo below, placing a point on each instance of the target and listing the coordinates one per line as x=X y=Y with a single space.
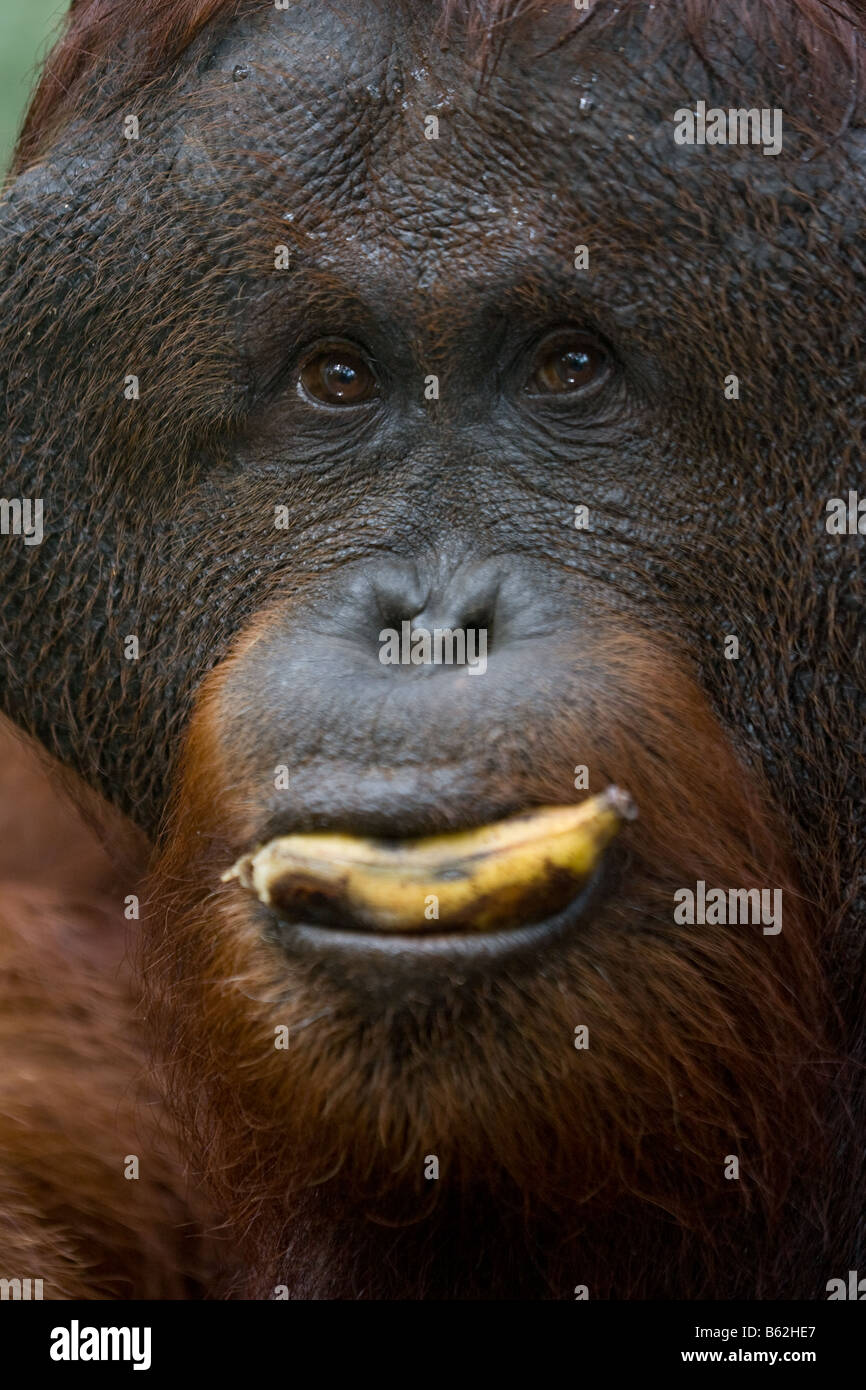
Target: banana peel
x=513 y=872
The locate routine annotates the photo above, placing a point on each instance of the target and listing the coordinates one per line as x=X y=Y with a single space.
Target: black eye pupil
x=337 y=376
x=564 y=366
x=574 y=364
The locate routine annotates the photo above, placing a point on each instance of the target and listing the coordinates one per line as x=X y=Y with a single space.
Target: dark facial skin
x=453 y=258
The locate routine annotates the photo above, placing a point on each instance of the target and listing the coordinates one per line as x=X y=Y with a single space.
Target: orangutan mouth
x=515 y=873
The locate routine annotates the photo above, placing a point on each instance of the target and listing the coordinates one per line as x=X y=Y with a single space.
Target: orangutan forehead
x=328 y=113
x=367 y=51
x=348 y=121
x=346 y=97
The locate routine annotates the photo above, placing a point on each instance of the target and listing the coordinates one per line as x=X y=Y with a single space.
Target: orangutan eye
x=567 y=364
x=337 y=376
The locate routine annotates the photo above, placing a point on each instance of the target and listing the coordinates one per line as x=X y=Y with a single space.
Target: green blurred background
x=26 y=26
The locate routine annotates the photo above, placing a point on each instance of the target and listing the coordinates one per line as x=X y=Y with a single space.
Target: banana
x=516 y=871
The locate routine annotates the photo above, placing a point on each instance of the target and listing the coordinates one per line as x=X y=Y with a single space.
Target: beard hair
x=603 y=1166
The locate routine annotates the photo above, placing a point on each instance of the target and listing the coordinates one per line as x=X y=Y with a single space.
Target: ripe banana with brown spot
x=510 y=873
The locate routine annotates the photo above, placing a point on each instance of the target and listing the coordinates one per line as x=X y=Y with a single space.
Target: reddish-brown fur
x=712 y=1034
x=77 y=1102
x=705 y=1043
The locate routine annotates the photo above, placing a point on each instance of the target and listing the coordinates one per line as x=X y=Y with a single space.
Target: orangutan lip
x=489 y=880
x=308 y=940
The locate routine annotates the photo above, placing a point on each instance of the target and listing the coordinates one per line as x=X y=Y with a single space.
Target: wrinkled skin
x=455 y=257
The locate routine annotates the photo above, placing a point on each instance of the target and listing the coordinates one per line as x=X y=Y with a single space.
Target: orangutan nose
x=339 y=689
x=450 y=622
